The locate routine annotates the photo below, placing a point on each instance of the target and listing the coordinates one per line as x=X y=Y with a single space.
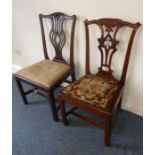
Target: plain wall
x=27 y=44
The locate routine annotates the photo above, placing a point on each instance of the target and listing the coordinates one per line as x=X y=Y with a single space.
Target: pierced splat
x=107 y=46
x=107 y=43
x=57 y=35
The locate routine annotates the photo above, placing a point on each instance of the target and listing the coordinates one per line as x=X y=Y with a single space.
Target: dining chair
x=48 y=74
x=100 y=93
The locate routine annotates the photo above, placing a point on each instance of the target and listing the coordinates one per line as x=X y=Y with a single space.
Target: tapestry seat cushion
x=46 y=72
x=94 y=90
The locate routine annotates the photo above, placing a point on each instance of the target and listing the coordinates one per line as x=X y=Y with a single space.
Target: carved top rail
x=57 y=35
x=107 y=44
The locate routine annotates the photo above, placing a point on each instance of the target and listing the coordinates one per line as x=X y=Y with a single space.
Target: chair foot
x=107 y=139
x=63 y=113
x=65 y=123
x=107 y=144
x=73 y=77
x=21 y=90
x=53 y=107
x=107 y=132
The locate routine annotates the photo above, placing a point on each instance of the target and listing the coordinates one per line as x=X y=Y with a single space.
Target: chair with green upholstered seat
x=46 y=75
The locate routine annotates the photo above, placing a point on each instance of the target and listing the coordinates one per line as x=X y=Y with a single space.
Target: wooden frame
x=109 y=117
x=57 y=19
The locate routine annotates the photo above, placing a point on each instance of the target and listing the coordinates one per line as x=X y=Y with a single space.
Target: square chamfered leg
x=53 y=106
x=73 y=76
x=63 y=112
x=107 y=132
x=21 y=90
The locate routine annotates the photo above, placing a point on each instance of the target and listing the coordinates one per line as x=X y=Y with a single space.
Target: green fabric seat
x=46 y=72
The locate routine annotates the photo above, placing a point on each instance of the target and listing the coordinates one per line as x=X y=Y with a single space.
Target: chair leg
x=21 y=90
x=73 y=76
x=53 y=106
x=107 y=132
x=120 y=103
x=63 y=113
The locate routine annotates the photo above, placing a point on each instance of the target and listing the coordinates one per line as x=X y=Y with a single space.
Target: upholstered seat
x=100 y=93
x=46 y=72
x=46 y=75
x=95 y=90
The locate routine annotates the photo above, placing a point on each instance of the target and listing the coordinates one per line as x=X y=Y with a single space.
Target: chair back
x=57 y=35
x=107 y=44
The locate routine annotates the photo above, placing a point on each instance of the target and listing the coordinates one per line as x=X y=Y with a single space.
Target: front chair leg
x=107 y=132
x=63 y=113
x=21 y=90
x=53 y=106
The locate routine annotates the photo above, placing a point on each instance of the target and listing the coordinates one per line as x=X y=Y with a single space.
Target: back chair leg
x=63 y=113
x=53 y=106
x=107 y=132
x=73 y=76
x=21 y=90
x=120 y=103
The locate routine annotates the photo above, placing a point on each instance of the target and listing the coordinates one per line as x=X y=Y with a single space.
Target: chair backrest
x=107 y=44
x=57 y=35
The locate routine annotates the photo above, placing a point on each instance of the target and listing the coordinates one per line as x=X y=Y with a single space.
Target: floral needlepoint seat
x=95 y=90
x=100 y=92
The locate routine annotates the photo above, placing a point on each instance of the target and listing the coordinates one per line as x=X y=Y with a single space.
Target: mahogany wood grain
x=107 y=45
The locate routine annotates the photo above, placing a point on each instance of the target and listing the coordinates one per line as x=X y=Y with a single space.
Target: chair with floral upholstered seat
x=100 y=93
x=46 y=75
